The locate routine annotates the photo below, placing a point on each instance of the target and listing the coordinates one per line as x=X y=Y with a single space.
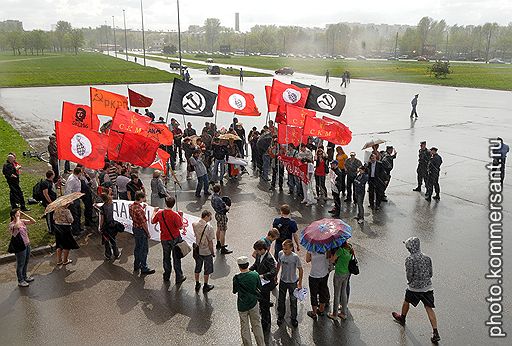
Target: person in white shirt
x=307 y=189
x=74 y=184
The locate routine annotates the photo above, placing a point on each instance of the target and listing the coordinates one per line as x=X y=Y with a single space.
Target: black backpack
x=37 y=191
x=284 y=231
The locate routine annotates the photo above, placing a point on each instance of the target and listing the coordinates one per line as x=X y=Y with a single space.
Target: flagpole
x=143 y=42
x=179 y=37
x=215 y=118
x=125 y=39
x=115 y=43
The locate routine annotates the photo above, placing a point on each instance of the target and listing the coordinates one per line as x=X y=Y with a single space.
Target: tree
x=14 y=40
x=169 y=50
x=76 y=39
x=61 y=30
x=212 y=30
x=440 y=69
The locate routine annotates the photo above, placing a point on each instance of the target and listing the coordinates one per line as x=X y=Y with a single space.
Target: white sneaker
x=360 y=221
x=23 y=284
x=29 y=279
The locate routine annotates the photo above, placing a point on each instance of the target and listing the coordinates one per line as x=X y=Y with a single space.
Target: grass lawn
x=32 y=171
x=478 y=75
x=203 y=66
x=70 y=69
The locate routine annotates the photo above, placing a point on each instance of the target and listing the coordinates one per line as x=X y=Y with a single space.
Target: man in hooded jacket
x=418 y=268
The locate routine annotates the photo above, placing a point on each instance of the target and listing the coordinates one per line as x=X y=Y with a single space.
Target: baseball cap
x=242 y=260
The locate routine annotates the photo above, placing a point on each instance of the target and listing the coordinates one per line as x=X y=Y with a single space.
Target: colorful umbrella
x=324 y=235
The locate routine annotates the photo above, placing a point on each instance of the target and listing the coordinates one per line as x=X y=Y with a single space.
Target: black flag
x=300 y=85
x=326 y=101
x=189 y=99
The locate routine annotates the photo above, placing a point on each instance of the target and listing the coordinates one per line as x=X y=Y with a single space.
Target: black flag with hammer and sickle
x=326 y=101
x=189 y=99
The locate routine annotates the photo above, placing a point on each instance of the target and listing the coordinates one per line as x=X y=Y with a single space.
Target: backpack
x=37 y=191
x=284 y=231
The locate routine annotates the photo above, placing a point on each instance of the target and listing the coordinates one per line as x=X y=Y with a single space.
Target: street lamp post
x=143 y=42
x=106 y=36
x=125 y=39
x=114 y=28
x=179 y=36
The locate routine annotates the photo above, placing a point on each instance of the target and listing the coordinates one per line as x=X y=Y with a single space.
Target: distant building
x=11 y=25
x=237 y=21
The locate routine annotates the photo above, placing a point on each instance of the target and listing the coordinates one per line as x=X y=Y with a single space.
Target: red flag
x=296 y=167
x=290 y=135
x=129 y=147
x=327 y=129
x=105 y=102
x=160 y=161
x=160 y=133
x=79 y=116
x=234 y=100
x=139 y=100
x=130 y=122
x=268 y=91
x=283 y=93
x=296 y=116
x=80 y=145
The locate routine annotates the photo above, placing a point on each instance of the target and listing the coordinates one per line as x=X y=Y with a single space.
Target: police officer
x=423 y=159
x=433 y=169
x=387 y=161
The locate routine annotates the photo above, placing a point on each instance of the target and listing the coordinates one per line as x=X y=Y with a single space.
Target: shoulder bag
x=16 y=244
x=195 y=252
x=353 y=266
x=182 y=247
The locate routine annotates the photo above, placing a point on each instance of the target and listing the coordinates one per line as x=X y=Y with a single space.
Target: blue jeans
x=168 y=248
x=22 y=263
x=140 y=252
x=215 y=173
x=202 y=183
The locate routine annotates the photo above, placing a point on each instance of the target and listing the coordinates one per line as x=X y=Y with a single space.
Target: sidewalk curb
x=10 y=257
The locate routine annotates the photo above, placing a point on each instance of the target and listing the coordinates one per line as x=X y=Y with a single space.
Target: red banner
x=80 y=145
x=296 y=116
x=328 y=129
x=105 y=102
x=296 y=167
x=79 y=116
x=290 y=135
x=160 y=133
x=129 y=147
x=343 y=133
x=139 y=100
x=130 y=122
x=160 y=161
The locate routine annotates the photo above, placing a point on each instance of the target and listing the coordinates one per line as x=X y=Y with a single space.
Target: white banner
x=122 y=214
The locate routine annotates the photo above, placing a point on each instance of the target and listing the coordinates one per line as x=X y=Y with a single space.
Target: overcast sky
x=161 y=15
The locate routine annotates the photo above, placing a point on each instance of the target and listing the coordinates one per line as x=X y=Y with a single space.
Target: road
x=92 y=301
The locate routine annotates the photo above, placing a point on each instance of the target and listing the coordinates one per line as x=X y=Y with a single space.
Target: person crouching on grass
x=288 y=263
x=247 y=285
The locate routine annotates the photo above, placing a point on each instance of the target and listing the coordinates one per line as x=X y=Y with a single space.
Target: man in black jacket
x=433 y=169
x=220 y=154
x=266 y=267
x=376 y=181
x=10 y=171
x=423 y=159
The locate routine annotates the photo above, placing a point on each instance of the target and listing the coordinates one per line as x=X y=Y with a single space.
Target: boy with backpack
x=287 y=228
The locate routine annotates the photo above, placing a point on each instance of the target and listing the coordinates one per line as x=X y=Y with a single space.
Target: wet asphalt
x=92 y=301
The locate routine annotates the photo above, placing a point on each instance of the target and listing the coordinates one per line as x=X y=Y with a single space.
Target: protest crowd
x=297 y=152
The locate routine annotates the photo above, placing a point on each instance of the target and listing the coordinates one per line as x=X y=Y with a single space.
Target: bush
x=440 y=69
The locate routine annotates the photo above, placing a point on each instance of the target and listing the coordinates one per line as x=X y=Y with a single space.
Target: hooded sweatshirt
x=418 y=267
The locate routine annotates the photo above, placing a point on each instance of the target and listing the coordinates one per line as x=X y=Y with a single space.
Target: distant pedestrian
x=421 y=170
x=344 y=80
x=247 y=285
x=414 y=103
x=64 y=241
x=18 y=226
x=500 y=157
x=187 y=76
x=359 y=183
x=221 y=210
x=170 y=223
x=203 y=232
x=433 y=171
x=318 y=283
x=201 y=172
x=287 y=228
x=135 y=59
x=327 y=76
x=140 y=234
x=241 y=75
x=288 y=265
x=107 y=228
x=341 y=279
x=418 y=267
x=265 y=265
x=11 y=171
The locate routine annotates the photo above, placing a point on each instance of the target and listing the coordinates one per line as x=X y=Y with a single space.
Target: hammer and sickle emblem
x=326 y=101
x=193 y=102
x=98 y=97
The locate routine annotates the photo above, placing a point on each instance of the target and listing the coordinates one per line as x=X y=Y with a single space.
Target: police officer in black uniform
x=433 y=170
x=423 y=159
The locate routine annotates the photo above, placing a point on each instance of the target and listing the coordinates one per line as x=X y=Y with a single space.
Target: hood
x=413 y=245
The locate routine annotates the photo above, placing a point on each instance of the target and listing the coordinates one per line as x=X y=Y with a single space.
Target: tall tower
x=237 y=21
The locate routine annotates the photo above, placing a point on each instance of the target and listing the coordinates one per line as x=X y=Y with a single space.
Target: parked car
x=176 y=66
x=496 y=61
x=285 y=71
x=361 y=57
x=213 y=70
x=392 y=58
x=422 y=58
x=209 y=60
